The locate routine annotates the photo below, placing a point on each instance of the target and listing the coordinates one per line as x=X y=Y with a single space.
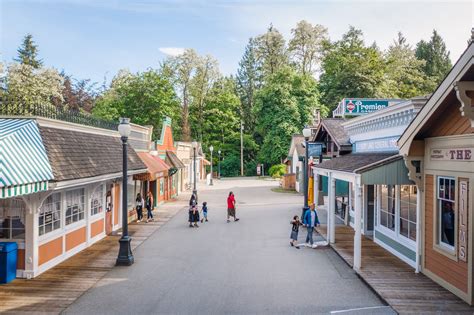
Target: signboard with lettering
x=360 y=107
x=452 y=154
x=377 y=145
x=463 y=222
x=315 y=149
x=259 y=170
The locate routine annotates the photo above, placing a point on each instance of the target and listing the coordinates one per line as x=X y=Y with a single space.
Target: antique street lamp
x=219 y=165
x=306 y=135
x=125 y=256
x=211 y=148
x=194 y=144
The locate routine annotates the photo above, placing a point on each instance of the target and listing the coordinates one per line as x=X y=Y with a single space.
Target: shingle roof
x=336 y=130
x=356 y=162
x=74 y=154
x=296 y=141
x=173 y=160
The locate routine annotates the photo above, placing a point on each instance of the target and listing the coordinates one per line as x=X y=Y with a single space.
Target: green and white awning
x=24 y=164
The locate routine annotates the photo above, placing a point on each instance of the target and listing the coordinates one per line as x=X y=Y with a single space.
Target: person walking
x=139 y=202
x=149 y=207
x=311 y=220
x=204 y=212
x=231 y=207
x=295 y=225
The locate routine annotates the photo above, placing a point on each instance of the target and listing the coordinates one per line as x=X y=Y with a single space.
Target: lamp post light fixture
x=306 y=135
x=211 y=148
x=125 y=256
x=219 y=165
x=194 y=144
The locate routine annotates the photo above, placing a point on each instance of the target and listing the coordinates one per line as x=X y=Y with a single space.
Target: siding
x=75 y=238
x=97 y=227
x=50 y=250
x=453 y=272
x=450 y=123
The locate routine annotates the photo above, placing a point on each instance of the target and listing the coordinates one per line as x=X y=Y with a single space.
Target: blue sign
x=315 y=149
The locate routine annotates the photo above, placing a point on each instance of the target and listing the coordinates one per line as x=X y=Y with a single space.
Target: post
x=211 y=183
x=241 y=148
x=125 y=257
x=332 y=209
x=316 y=189
x=358 y=225
x=219 y=165
x=418 y=230
x=194 y=175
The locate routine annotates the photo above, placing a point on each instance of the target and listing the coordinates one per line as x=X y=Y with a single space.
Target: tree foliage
x=271 y=51
x=28 y=53
x=436 y=57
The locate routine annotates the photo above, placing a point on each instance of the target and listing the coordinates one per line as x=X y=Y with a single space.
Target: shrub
x=277 y=170
x=230 y=166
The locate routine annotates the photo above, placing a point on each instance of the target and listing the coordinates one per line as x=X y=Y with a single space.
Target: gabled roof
x=173 y=161
x=462 y=66
x=334 y=127
x=358 y=162
x=296 y=143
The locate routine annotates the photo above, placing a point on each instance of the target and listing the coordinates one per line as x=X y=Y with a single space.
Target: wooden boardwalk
x=395 y=281
x=56 y=289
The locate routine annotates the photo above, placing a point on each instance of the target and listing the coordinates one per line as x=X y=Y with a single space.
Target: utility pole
x=241 y=148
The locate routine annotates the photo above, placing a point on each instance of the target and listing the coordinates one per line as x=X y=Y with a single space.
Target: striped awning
x=24 y=164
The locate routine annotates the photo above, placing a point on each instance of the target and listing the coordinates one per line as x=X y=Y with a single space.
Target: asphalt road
x=244 y=267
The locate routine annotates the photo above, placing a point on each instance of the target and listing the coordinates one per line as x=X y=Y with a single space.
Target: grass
x=285 y=191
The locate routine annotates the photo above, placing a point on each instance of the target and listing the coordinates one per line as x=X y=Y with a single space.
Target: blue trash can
x=8 y=257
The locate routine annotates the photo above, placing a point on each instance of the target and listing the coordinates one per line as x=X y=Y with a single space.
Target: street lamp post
x=306 y=135
x=125 y=256
x=219 y=165
x=211 y=148
x=194 y=144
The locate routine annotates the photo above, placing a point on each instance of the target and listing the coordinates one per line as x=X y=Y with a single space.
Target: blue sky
x=94 y=39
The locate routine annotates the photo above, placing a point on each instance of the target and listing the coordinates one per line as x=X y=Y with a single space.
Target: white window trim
x=446 y=249
x=98 y=215
x=63 y=196
x=55 y=232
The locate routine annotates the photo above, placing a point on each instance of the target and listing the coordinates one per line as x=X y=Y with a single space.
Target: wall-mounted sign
x=452 y=154
x=361 y=106
x=463 y=222
x=377 y=145
x=315 y=149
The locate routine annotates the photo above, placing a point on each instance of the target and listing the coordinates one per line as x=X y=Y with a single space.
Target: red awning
x=156 y=166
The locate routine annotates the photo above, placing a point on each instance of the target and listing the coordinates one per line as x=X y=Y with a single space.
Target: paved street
x=244 y=267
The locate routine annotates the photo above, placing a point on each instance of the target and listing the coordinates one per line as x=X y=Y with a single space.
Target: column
x=316 y=189
x=358 y=225
x=332 y=209
x=418 y=229
x=31 y=237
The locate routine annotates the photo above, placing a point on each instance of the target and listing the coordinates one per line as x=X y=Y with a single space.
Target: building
x=294 y=162
x=185 y=153
x=381 y=200
x=438 y=149
x=60 y=188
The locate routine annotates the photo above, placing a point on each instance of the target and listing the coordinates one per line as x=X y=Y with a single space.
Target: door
x=370 y=208
x=116 y=204
x=108 y=214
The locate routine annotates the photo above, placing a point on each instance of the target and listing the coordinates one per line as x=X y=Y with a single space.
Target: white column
x=332 y=209
x=316 y=188
x=418 y=230
x=31 y=237
x=358 y=225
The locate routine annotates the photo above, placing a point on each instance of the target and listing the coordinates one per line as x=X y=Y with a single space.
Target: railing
x=53 y=112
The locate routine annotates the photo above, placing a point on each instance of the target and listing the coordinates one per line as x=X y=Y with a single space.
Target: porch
x=394 y=280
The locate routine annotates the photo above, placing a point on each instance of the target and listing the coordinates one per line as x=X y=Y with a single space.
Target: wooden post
x=418 y=230
x=358 y=224
x=332 y=209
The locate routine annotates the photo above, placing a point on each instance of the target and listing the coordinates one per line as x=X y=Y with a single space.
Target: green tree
x=436 y=57
x=405 y=76
x=271 y=51
x=28 y=53
x=350 y=69
x=306 y=46
x=145 y=97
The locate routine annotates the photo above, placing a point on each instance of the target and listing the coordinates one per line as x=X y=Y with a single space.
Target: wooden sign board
x=463 y=220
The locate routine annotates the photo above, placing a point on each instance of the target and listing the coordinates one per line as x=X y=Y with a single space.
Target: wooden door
x=108 y=213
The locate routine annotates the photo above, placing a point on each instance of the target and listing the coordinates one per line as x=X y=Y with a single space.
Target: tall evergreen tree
x=271 y=51
x=28 y=53
x=248 y=82
x=436 y=57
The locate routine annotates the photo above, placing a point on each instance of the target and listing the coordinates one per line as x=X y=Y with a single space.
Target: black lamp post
x=194 y=144
x=219 y=165
x=211 y=148
x=125 y=256
x=306 y=135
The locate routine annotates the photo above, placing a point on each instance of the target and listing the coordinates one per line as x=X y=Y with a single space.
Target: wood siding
x=20 y=263
x=450 y=123
x=50 y=250
x=97 y=227
x=453 y=272
x=75 y=238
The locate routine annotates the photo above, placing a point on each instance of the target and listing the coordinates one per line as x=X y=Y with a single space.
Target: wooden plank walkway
x=56 y=289
x=395 y=281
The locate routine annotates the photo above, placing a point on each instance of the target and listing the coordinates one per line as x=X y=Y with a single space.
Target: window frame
x=60 y=220
x=10 y=228
x=381 y=211
x=450 y=251
x=102 y=201
x=84 y=212
x=409 y=211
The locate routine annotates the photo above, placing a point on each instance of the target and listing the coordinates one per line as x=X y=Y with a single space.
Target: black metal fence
x=8 y=108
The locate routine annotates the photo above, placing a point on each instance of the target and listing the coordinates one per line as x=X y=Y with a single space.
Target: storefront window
x=12 y=219
x=50 y=214
x=446 y=215
x=387 y=207
x=408 y=211
x=130 y=192
x=341 y=206
x=74 y=205
x=97 y=200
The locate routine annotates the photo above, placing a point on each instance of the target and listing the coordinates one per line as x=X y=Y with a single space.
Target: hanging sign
x=452 y=154
x=463 y=219
x=315 y=149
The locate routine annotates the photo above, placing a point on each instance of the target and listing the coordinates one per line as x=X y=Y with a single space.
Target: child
x=294 y=231
x=204 y=212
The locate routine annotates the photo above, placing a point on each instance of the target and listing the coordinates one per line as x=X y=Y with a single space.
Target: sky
x=94 y=39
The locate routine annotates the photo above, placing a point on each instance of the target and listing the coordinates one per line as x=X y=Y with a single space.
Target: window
x=446 y=215
x=12 y=219
x=97 y=200
x=408 y=211
x=74 y=205
x=341 y=206
x=50 y=214
x=130 y=192
x=387 y=207
x=162 y=186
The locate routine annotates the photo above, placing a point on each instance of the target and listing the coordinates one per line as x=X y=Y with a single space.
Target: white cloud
x=172 y=51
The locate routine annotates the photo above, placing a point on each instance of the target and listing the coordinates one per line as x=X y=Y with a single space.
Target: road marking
x=359 y=309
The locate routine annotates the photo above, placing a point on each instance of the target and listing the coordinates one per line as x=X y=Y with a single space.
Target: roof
x=173 y=160
x=75 y=155
x=153 y=163
x=296 y=143
x=358 y=162
x=335 y=128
